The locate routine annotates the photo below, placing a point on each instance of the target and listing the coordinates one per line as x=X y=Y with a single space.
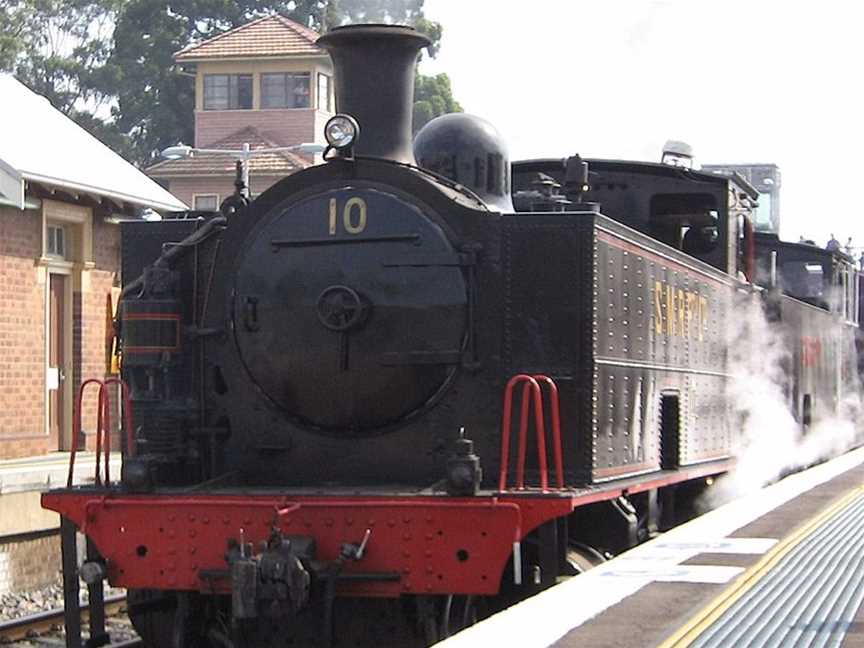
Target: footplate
x=416 y=545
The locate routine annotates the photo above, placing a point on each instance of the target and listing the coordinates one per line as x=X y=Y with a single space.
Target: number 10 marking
x=354 y=223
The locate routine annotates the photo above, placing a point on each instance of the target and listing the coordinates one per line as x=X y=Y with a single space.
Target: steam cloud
x=771 y=441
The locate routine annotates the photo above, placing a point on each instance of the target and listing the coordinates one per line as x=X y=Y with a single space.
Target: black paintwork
x=344 y=327
x=381 y=58
x=294 y=414
x=812 y=299
x=334 y=336
x=467 y=150
x=435 y=304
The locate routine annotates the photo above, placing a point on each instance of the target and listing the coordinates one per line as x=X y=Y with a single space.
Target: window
x=67 y=235
x=763 y=214
x=849 y=283
x=227 y=91
x=284 y=90
x=803 y=279
x=55 y=241
x=325 y=99
x=205 y=202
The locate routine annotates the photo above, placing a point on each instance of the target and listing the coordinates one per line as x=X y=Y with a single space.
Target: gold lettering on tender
x=679 y=312
x=658 y=307
x=691 y=311
x=670 y=310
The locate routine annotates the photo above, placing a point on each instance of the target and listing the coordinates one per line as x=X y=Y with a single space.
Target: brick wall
x=285 y=127
x=29 y=562
x=22 y=326
x=22 y=336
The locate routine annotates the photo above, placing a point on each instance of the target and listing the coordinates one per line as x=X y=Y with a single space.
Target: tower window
x=227 y=91
x=284 y=90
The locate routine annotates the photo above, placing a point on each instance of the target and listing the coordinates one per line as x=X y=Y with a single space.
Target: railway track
x=28 y=630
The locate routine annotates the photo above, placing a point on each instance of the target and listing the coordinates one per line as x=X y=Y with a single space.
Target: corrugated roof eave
x=173 y=205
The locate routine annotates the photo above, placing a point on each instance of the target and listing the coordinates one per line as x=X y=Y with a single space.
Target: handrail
x=127 y=413
x=103 y=426
x=531 y=391
x=76 y=424
x=103 y=433
x=556 y=427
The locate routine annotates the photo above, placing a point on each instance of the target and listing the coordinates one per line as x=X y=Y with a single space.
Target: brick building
x=61 y=195
x=265 y=84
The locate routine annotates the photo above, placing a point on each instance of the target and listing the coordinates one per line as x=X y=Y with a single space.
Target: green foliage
x=14 y=28
x=433 y=96
x=58 y=47
x=109 y=64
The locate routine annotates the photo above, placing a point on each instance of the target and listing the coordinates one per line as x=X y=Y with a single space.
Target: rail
x=13 y=630
x=103 y=426
x=531 y=394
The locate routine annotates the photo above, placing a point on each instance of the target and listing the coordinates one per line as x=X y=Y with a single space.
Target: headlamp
x=341 y=131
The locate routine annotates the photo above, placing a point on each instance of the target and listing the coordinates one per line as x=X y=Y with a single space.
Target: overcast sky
x=740 y=81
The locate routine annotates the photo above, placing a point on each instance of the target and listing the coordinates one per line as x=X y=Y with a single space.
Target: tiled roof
x=268 y=36
x=200 y=164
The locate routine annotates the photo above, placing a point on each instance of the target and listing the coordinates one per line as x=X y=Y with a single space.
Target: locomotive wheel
x=581 y=558
x=458 y=613
x=154 y=615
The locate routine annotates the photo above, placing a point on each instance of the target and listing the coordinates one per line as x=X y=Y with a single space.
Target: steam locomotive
x=379 y=395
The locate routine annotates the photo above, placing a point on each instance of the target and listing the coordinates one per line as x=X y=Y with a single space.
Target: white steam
x=770 y=441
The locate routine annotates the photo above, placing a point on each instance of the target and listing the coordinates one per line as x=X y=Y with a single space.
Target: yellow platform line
x=703 y=619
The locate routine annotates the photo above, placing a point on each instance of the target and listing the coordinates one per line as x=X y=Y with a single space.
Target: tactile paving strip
x=809 y=598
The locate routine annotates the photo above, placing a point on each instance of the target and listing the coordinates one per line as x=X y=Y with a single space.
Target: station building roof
x=41 y=145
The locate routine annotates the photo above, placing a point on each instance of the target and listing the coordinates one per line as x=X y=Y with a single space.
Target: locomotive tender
x=317 y=377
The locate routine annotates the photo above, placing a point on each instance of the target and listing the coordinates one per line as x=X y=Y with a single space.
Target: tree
x=14 y=29
x=86 y=56
x=433 y=96
x=58 y=48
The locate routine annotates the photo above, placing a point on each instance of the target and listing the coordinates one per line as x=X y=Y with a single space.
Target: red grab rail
x=103 y=426
x=531 y=394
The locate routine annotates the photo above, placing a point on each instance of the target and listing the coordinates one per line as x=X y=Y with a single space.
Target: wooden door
x=56 y=361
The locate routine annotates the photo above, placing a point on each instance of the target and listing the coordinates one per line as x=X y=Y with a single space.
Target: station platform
x=780 y=567
x=49 y=471
x=29 y=534
x=22 y=482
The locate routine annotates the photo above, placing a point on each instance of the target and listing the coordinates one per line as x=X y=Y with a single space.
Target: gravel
x=14 y=605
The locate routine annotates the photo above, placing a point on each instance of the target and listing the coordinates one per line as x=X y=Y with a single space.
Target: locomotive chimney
x=374 y=70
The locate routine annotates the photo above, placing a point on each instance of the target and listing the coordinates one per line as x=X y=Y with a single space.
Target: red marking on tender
x=811 y=351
